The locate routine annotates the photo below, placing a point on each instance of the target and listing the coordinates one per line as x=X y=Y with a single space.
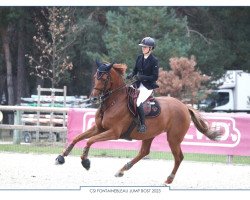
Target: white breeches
x=143 y=95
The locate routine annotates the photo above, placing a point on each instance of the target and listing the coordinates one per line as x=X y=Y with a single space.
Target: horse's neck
x=118 y=90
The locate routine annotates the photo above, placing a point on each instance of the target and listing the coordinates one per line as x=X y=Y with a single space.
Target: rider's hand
x=129 y=76
x=139 y=77
x=142 y=77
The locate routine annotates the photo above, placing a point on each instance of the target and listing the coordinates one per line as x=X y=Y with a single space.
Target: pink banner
x=235 y=140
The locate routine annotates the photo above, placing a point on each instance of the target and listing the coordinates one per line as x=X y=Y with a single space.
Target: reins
x=101 y=98
x=128 y=83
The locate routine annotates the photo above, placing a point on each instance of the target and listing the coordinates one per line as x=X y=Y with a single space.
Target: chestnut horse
x=113 y=118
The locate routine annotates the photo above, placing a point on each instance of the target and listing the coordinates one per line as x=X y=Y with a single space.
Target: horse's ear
x=110 y=66
x=98 y=63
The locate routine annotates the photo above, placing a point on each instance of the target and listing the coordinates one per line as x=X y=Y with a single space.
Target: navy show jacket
x=148 y=70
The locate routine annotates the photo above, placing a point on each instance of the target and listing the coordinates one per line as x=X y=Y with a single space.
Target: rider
x=146 y=72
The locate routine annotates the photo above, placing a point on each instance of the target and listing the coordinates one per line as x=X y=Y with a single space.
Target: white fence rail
x=18 y=125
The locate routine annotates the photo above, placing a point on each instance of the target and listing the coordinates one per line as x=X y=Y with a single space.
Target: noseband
x=106 y=81
x=104 y=92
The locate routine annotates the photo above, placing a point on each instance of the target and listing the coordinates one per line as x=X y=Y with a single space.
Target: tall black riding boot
x=142 y=127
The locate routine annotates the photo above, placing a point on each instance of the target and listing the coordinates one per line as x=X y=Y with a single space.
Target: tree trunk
x=21 y=71
x=7 y=56
x=2 y=87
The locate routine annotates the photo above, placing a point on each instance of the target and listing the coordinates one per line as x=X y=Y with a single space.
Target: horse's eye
x=99 y=75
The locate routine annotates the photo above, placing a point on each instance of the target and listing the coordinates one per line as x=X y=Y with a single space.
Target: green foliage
x=218 y=37
x=226 y=38
x=127 y=26
x=9 y=15
x=87 y=48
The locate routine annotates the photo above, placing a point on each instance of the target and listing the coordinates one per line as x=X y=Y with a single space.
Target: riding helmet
x=148 y=41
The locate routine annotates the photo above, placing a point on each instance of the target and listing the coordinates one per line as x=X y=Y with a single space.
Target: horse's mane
x=120 y=68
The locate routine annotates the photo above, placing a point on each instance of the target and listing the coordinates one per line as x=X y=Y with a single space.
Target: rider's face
x=145 y=50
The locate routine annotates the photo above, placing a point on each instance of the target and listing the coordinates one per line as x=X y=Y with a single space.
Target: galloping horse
x=113 y=118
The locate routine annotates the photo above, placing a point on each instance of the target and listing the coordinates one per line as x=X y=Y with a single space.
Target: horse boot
x=142 y=127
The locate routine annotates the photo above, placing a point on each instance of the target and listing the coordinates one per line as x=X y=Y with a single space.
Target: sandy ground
x=33 y=171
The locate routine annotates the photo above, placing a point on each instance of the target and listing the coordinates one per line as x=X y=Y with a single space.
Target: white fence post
x=1 y=118
x=229 y=159
x=16 y=132
x=38 y=112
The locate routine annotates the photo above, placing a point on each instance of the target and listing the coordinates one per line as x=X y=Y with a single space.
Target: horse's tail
x=201 y=125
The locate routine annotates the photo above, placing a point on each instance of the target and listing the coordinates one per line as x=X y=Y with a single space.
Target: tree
x=183 y=81
x=88 y=47
x=23 y=31
x=129 y=25
x=217 y=36
x=6 y=46
x=220 y=37
x=7 y=17
x=13 y=26
x=52 y=62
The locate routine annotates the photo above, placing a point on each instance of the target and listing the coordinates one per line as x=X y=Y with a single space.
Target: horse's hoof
x=86 y=163
x=119 y=174
x=60 y=160
x=169 y=181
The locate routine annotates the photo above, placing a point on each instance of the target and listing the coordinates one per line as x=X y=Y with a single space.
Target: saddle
x=151 y=109
x=151 y=106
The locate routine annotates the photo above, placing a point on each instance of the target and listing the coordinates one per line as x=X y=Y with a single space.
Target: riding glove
x=129 y=76
x=142 y=77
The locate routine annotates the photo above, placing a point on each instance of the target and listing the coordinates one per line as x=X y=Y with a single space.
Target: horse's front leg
x=87 y=134
x=104 y=136
x=144 y=151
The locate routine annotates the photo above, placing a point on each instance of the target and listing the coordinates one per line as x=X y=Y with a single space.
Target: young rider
x=146 y=71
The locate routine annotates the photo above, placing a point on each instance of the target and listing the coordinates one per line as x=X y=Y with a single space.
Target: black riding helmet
x=148 y=41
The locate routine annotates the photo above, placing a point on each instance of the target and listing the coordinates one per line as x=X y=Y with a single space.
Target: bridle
x=104 y=92
x=99 y=76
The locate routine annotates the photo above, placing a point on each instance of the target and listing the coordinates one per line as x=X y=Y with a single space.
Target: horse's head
x=102 y=79
x=106 y=77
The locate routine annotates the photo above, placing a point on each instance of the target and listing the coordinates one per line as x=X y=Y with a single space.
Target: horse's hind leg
x=144 y=151
x=87 y=134
x=178 y=157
